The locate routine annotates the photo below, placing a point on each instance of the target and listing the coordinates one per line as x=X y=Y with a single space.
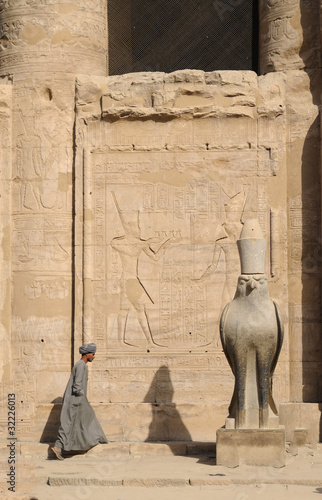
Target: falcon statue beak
x=252 y=284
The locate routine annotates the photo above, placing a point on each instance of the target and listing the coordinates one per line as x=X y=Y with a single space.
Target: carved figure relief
x=147 y=242
x=41 y=161
x=133 y=293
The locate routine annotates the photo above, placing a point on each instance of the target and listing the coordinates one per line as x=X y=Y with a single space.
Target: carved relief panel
x=41 y=231
x=160 y=219
x=163 y=249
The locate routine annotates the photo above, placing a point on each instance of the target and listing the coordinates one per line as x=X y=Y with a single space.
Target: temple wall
x=170 y=167
x=122 y=198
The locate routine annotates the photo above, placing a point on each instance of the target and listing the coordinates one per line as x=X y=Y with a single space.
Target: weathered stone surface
x=155 y=482
x=78 y=481
x=143 y=422
x=303 y=470
x=301 y=416
x=289 y=35
x=142 y=297
x=53 y=36
x=121 y=202
x=192 y=169
x=261 y=447
x=143 y=449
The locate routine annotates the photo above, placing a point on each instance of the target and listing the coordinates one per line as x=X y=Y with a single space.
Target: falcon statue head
x=255 y=285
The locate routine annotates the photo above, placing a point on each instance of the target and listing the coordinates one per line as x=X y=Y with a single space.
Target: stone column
x=289 y=35
x=44 y=45
x=290 y=44
x=5 y=230
x=53 y=36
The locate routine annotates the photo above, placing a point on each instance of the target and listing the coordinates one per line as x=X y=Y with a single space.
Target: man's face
x=90 y=356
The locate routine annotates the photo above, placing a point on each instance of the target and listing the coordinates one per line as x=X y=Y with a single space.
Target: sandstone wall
x=121 y=202
x=167 y=168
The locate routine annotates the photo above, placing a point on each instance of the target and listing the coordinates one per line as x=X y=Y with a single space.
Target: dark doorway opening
x=170 y=35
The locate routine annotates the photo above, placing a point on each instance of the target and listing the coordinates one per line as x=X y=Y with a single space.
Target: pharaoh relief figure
x=134 y=296
x=251 y=333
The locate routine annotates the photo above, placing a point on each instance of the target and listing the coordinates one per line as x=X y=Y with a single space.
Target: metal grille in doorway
x=168 y=35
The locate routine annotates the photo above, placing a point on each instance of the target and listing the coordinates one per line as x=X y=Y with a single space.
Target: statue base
x=265 y=447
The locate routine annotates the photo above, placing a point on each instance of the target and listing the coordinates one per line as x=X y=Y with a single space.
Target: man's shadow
x=166 y=424
x=49 y=433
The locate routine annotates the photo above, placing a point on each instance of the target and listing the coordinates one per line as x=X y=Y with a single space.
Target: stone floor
x=151 y=471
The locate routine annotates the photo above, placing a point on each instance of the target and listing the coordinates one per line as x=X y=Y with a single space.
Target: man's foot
x=57 y=452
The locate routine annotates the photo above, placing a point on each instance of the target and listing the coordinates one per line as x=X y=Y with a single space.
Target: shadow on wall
x=166 y=424
x=49 y=433
x=320 y=429
x=311 y=257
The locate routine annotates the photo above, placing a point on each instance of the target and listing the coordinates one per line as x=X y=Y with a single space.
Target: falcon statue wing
x=280 y=337
x=222 y=332
x=233 y=403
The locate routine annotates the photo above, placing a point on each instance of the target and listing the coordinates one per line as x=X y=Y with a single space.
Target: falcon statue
x=251 y=333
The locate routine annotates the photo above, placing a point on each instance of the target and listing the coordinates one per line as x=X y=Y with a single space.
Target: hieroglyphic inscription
x=148 y=210
x=41 y=243
x=43 y=150
x=12 y=30
x=42 y=224
x=171 y=134
x=137 y=377
x=172 y=360
x=263 y=213
x=282 y=33
x=25 y=392
x=47 y=286
x=305 y=241
x=183 y=305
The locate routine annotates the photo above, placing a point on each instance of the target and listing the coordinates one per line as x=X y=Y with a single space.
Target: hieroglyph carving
x=160 y=237
x=289 y=35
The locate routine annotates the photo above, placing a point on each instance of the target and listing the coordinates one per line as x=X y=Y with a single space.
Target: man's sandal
x=57 y=453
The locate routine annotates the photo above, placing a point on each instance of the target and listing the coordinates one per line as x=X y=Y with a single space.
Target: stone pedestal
x=251 y=447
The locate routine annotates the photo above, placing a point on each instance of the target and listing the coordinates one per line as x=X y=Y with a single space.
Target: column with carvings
x=290 y=44
x=53 y=36
x=288 y=35
x=44 y=45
